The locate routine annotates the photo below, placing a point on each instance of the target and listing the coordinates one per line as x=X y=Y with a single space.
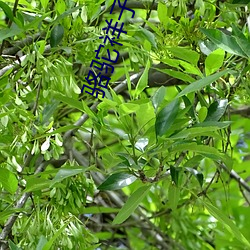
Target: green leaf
x=244 y=45
x=186 y=54
x=214 y=61
x=128 y=108
x=194 y=161
x=35 y=184
x=161 y=11
x=117 y=181
x=174 y=172
x=166 y=117
x=177 y=74
x=227 y=223
x=207 y=46
x=7 y=10
x=9 y=211
x=202 y=114
x=143 y=81
x=68 y=12
x=66 y=172
x=98 y=210
x=173 y=196
x=49 y=244
x=158 y=97
x=193 y=132
x=189 y=68
x=36 y=21
x=143 y=34
x=44 y=3
x=9 y=32
x=8 y=180
x=216 y=110
x=70 y=101
x=223 y=41
x=56 y=35
x=132 y=203
x=238 y=33
x=241 y=40
x=41 y=243
x=198 y=85
x=13 y=246
x=49 y=110
x=204 y=150
x=219 y=125
x=198 y=175
x=188 y=105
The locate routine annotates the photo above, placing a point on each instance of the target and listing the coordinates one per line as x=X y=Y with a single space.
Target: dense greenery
x=161 y=162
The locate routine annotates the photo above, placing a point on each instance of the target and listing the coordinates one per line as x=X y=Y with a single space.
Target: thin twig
x=149 y=13
x=236 y=177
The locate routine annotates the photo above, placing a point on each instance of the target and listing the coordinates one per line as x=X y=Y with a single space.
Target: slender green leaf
x=204 y=150
x=143 y=81
x=13 y=246
x=186 y=54
x=44 y=3
x=216 y=110
x=177 y=74
x=198 y=85
x=194 y=161
x=41 y=243
x=9 y=32
x=193 y=132
x=158 y=97
x=9 y=211
x=162 y=10
x=244 y=45
x=223 y=41
x=49 y=110
x=132 y=203
x=173 y=196
x=166 y=117
x=219 y=125
x=56 y=35
x=99 y=210
x=8 y=180
x=70 y=101
x=128 y=108
x=174 y=172
x=49 y=244
x=143 y=34
x=68 y=12
x=7 y=10
x=228 y=224
x=237 y=32
x=34 y=184
x=66 y=172
x=202 y=114
x=117 y=181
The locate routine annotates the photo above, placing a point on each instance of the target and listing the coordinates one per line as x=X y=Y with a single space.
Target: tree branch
x=236 y=177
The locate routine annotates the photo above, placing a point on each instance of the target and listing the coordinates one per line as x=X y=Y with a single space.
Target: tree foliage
x=161 y=162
